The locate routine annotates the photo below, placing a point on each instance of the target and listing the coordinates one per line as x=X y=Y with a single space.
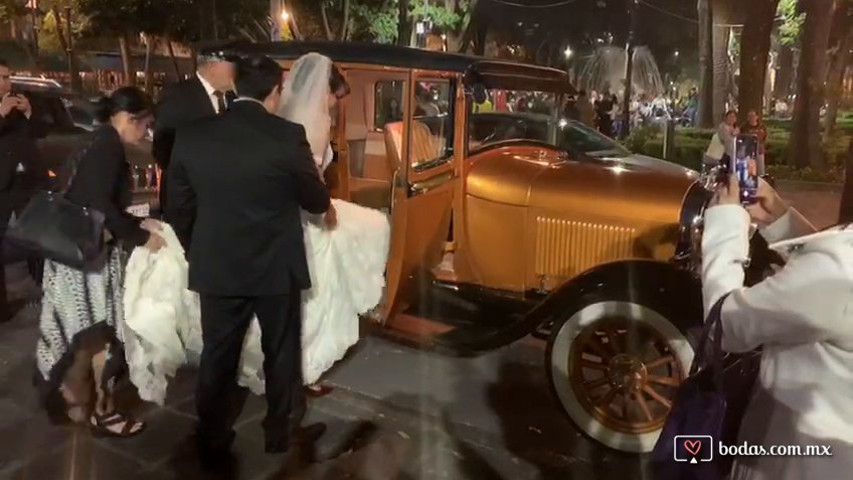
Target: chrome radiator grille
x=566 y=248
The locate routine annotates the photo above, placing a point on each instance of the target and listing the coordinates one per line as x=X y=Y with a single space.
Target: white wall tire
x=559 y=357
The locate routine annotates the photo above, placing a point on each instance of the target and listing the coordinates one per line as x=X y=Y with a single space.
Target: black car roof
x=406 y=57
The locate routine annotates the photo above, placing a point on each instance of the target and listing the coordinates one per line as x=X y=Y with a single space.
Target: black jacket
x=237 y=185
x=180 y=104
x=103 y=182
x=18 y=145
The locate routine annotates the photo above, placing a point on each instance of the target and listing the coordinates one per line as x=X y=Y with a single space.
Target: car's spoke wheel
x=615 y=366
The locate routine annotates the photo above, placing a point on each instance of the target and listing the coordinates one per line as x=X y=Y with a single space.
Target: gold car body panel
x=538 y=218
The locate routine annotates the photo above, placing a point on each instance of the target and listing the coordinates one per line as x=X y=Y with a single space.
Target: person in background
x=585 y=110
x=721 y=147
x=79 y=350
x=604 y=108
x=209 y=92
x=755 y=126
x=801 y=317
x=21 y=169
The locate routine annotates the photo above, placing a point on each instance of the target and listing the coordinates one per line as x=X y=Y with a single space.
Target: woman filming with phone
x=802 y=319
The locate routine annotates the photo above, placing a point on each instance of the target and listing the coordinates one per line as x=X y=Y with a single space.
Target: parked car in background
x=69 y=118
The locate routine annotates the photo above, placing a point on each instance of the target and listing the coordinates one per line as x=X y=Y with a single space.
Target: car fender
x=660 y=285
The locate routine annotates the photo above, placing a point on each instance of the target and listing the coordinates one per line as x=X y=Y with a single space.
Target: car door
x=422 y=186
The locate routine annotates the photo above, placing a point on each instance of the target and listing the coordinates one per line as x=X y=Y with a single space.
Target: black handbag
x=60 y=230
x=707 y=410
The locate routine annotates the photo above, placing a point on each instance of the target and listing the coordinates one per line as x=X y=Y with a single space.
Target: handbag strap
x=712 y=322
x=74 y=164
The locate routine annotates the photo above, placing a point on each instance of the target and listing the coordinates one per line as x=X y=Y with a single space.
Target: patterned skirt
x=80 y=310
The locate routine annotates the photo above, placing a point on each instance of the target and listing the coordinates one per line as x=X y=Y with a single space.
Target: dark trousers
x=14 y=201
x=224 y=322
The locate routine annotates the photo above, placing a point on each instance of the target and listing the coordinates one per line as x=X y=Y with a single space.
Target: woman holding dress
x=80 y=349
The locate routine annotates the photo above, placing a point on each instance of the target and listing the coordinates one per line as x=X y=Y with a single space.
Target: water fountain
x=605 y=70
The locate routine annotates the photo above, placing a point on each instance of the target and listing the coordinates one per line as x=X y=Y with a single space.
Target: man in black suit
x=207 y=93
x=238 y=183
x=21 y=169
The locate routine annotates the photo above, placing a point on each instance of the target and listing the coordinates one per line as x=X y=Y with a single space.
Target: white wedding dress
x=162 y=326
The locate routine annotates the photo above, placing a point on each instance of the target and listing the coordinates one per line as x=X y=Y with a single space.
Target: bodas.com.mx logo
x=693 y=448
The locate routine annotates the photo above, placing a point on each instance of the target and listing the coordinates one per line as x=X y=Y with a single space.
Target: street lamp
x=568 y=52
x=285 y=17
x=676 y=54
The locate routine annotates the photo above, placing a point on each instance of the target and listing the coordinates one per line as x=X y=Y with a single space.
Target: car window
x=432 y=129
x=576 y=137
x=388 y=103
x=508 y=115
x=51 y=111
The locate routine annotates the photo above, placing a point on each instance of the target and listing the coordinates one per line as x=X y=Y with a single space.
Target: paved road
x=397 y=413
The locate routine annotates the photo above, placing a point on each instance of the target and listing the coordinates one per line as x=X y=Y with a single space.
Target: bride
x=346 y=257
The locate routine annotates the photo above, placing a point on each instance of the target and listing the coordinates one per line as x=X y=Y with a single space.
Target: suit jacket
x=18 y=136
x=180 y=103
x=238 y=183
x=103 y=182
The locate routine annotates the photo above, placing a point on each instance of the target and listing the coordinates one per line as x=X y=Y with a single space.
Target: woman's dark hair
x=337 y=82
x=257 y=76
x=126 y=99
x=729 y=112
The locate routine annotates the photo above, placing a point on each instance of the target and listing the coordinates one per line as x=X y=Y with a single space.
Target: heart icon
x=693 y=446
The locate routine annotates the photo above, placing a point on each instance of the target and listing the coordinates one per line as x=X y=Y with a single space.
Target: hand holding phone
x=745 y=167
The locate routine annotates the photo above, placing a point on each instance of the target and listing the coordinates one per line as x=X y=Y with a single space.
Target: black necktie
x=220 y=102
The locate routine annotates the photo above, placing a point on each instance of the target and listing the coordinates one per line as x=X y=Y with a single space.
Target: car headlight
x=688 y=250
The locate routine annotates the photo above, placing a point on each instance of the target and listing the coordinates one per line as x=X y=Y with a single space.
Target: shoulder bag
x=707 y=410
x=59 y=229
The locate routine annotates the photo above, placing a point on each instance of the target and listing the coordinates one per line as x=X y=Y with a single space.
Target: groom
x=237 y=183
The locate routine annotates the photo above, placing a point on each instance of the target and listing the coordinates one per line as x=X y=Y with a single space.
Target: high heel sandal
x=101 y=423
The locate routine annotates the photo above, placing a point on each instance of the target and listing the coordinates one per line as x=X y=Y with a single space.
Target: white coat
x=802 y=318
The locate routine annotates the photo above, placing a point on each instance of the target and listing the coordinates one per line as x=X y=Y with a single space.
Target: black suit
x=18 y=146
x=180 y=104
x=237 y=184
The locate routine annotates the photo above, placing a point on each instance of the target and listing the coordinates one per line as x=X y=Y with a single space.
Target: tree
x=841 y=41
x=706 y=64
x=804 y=147
x=754 y=50
x=723 y=15
x=788 y=37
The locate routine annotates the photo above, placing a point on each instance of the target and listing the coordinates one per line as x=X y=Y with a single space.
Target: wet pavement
x=395 y=413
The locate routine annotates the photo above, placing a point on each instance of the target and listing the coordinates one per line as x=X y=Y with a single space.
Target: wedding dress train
x=162 y=326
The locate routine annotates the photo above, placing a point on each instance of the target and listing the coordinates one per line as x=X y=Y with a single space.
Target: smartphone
x=745 y=166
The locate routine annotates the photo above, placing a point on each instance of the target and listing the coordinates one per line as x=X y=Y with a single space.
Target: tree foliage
x=793 y=19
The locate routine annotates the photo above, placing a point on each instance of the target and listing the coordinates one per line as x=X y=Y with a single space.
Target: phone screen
x=745 y=166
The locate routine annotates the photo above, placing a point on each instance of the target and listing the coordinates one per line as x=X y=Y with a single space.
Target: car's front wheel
x=615 y=362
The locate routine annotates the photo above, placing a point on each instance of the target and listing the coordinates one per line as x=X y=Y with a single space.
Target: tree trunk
x=785 y=73
x=845 y=214
x=804 y=147
x=329 y=35
x=835 y=81
x=215 y=19
x=754 y=49
x=839 y=61
x=404 y=23
x=124 y=49
x=345 y=25
x=722 y=72
x=706 y=65
x=174 y=59
x=149 y=75
x=60 y=31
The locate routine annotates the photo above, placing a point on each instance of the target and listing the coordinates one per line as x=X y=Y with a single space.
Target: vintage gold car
x=509 y=221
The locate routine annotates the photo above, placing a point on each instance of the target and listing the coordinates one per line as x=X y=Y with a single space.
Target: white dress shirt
x=801 y=315
x=211 y=92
